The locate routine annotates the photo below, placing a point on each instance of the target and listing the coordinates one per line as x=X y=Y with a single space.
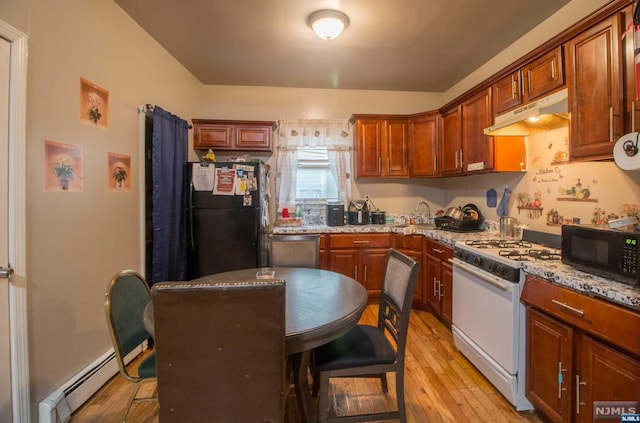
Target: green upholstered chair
x=127 y=295
x=366 y=351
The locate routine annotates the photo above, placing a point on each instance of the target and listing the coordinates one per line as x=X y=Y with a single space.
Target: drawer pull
x=565 y=305
x=437 y=250
x=360 y=242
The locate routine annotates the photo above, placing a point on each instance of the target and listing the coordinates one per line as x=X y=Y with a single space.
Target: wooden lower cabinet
x=579 y=350
x=362 y=257
x=549 y=361
x=413 y=246
x=324 y=254
x=439 y=280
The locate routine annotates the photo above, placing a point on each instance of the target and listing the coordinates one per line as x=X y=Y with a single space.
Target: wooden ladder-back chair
x=127 y=295
x=366 y=351
x=220 y=350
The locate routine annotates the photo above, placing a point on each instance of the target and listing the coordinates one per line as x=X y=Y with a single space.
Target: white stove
x=488 y=319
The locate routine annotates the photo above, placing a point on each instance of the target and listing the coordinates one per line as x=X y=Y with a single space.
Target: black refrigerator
x=227 y=221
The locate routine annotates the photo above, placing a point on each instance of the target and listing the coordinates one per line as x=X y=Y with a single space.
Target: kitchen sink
x=416 y=226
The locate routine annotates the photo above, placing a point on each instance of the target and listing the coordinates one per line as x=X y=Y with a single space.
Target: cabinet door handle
x=440 y=294
x=560 y=378
x=379 y=164
x=568 y=307
x=578 y=403
x=611 y=124
x=461 y=165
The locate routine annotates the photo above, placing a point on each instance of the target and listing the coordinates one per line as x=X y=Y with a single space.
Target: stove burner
x=533 y=253
x=499 y=243
x=514 y=255
x=544 y=254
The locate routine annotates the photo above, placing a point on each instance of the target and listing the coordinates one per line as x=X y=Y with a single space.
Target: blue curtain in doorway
x=168 y=158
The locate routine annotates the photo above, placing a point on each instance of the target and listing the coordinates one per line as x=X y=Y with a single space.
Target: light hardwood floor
x=441 y=386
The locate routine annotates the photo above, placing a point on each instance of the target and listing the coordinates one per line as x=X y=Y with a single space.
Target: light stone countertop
x=553 y=271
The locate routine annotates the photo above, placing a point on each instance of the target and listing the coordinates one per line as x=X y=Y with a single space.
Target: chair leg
x=323 y=397
x=400 y=395
x=383 y=381
x=315 y=375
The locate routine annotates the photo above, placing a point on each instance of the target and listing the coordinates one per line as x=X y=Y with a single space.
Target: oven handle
x=472 y=270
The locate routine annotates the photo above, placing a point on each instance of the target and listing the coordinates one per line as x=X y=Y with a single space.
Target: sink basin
x=416 y=226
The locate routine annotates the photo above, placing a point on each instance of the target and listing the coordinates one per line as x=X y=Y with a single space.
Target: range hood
x=552 y=112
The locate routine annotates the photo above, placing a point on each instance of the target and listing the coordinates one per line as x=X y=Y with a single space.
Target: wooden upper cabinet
x=396 y=142
x=477 y=148
x=425 y=144
x=536 y=79
x=595 y=90
x=543 y=75
x=507 y=92
x=632 y=107
x=232 y=135
x=451 y=142
x=381 y=146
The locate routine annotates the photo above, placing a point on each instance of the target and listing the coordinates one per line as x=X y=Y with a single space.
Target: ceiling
x=398 y=45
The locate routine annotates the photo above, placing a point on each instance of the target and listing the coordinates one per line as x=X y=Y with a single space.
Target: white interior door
x=5 y=344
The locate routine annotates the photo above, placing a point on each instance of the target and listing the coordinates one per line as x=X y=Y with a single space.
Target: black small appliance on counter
x=604 y=252
x=358 y=213
x=335 y=214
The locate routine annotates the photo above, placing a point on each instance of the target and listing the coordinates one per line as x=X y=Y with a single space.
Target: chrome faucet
x=423 y=203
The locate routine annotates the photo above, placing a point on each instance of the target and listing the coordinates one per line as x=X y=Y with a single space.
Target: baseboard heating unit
x=59 y=405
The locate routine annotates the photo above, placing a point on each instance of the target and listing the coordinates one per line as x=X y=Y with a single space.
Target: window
x=314 y=179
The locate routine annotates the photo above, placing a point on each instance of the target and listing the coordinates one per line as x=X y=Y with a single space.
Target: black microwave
x=605 y=252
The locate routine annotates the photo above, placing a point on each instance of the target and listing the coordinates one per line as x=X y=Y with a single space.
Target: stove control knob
x=463 y=255
x=492 y=267
x=477 y=260
x=500 y=270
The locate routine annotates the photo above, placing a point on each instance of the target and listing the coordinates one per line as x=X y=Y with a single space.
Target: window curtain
x=168 y=157
x=334 y=134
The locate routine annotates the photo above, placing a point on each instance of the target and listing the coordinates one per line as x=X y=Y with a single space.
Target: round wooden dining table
x=320 y=306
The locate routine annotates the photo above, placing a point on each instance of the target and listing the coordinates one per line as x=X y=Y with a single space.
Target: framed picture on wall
x=118 y=172
x=62 y=167
x=94 y=104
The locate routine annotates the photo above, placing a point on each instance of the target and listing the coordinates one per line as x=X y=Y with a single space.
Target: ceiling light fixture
x=328 y=24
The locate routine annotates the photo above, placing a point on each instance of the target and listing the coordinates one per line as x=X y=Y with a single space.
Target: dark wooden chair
x=220 y=349
x=127 y=295
x=294 y=250
x=366 y=351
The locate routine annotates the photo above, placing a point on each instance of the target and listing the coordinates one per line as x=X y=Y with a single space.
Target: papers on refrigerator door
x=202 y=177
x=225 y=181
x=245 y=180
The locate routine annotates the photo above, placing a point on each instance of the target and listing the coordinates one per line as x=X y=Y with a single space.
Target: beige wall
x=77 y=241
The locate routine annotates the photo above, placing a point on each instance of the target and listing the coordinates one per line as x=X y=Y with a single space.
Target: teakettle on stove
x=358 y=212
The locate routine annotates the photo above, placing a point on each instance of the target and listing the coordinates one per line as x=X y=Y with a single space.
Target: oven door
x=485 y=316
